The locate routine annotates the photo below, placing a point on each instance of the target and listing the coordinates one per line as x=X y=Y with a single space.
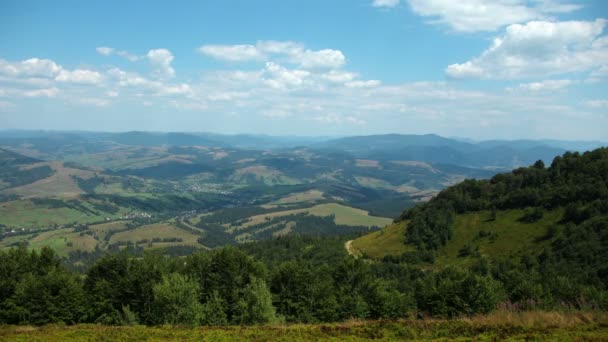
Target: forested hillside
x=270 y=281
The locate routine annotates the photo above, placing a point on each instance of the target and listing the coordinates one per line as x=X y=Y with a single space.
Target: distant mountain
x=430 y=148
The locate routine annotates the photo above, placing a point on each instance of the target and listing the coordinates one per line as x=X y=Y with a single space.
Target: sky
x=501 y=69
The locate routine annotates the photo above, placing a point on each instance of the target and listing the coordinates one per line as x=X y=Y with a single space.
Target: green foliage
x=225 y=272
x=430 y=226
x=176 y=301
x=255 y=305
x=452 y=292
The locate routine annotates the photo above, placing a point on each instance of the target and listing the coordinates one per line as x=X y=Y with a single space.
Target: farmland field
x=343 y=215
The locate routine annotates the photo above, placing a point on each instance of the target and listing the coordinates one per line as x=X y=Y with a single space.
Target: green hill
x=546 y=221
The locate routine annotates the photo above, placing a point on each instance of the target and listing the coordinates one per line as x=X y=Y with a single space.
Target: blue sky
x=470 y=68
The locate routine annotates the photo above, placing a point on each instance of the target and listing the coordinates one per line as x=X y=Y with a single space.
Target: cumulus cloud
x=232 y=53
x=104 y=50
x=142 y=84
x=537 y=49
x=33 y=67
x=108 y=51
x=596 y=103
x=546 y=85
x=339 y=76
x=362 y=84
x=385 y=3
x=283 y=51
x=331 y=118
x=279 y=77
x=486 y=15
x=80 y=76
x=161 y=60
x=48 y=92
x=599 y=74
x=326 y=58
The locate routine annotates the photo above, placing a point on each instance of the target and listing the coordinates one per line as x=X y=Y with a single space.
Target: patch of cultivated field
x=25 y=214
x=263 y=174
x=299 y=197
x=368 y=163
x=156 y=230
x=387 y=241
x=374 y=183
x=60 y=184
x=413 y=163
x=343 y=215
x=103 y=229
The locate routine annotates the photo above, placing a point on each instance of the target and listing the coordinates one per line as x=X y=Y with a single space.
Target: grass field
x=157 y=230
x=25 y=214
x=503 y=326
x=262 y=174
x=387 y=241
x=505 y=235
x=60 y=184
x=299 y=197
x=343 y=215
x=103 y=229
x=511 y=235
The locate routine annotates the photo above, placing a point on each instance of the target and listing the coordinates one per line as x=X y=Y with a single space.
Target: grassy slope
x=156 y=230
x=511 y=236
x=388 y=241
x=25 y=214
x=60 y=184
x=343 y=215
x=65 y=240
x=529 y=326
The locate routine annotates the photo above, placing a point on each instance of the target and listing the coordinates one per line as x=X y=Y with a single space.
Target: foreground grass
x=502 y=325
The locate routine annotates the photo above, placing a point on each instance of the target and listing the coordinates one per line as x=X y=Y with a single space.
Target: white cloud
x=546 y=85
x=129 y=56
x=232 y=53
x=275 y=113
x=279 y=77
x=486 y=15
x=338 y=119
x=141 y=84
x=362 y=84
x=47 y=92
x=279 y=47
x=108 y=51
x=277 y=51
x=79 y=76
x=104 y=50
x=228 y=95
x=161 y=59
x=538 y=49
x=33 y=67
x=326 y=58
x=339 y=76
x=598 y=74
x=89 y=101
x=385 y=3
x=596 y=103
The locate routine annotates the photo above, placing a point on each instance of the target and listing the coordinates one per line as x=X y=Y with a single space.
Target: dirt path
x=349 y=248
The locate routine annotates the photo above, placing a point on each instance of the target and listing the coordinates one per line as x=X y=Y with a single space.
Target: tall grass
x=502 y=324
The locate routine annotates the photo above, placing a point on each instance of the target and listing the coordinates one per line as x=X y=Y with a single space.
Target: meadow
x=502 y=325
x=503 y=235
